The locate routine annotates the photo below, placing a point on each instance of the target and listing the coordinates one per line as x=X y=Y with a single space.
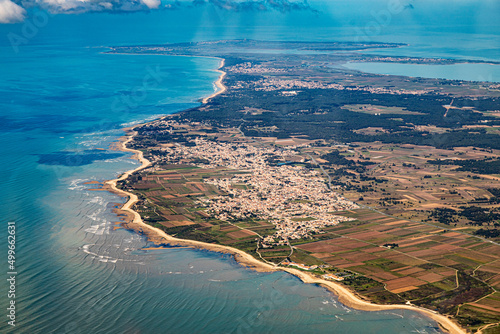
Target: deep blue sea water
x=63 y=102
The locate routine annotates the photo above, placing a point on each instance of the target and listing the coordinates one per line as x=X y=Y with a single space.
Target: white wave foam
x=101 y=258
x=97 y=199
x=132 y=239
x=77 y=184
x=397 y=315
x=98 y=229
x=150 y=118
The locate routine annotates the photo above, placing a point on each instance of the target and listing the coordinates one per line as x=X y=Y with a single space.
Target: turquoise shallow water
x=468 y=72
x=62 y=102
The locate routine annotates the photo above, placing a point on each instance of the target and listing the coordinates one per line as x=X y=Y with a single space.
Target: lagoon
x=464 y=71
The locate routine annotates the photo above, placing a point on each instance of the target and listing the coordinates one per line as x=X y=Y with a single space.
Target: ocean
x=63 y=102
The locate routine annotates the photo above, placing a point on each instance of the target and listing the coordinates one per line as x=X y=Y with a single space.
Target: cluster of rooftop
x=249 y=68
x=332 y=277
x=272 y=84
x=294 y=198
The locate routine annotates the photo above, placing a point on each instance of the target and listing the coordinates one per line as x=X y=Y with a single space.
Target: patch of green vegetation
x=485 y=166
x=276 y=259
x=429 y=266
x=297 y=242
x=463 y=260
x=377 y=109
x=247 y=224
x=263 y=231
x=239 y=186
x=362 y=283
x=422 y=292
x=492 y=330
x=474 y=318
x=284 y=253
x=470 y=289
x=303 y=219
x=385 y=297
x=385 y=264
x=301 y=256
x=301 y=201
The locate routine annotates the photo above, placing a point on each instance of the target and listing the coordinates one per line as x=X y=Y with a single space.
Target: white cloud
x=152 y=4
x=11 y=12
x=80 y=6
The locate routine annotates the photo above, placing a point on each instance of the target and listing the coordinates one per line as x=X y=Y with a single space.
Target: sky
x=13 y=11
x=466 y=12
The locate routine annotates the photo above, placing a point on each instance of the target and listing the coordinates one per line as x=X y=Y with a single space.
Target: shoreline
x=218 y=83
x=133 y=221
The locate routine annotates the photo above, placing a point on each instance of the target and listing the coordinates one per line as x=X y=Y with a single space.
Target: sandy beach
x=134 y=222
x=218 y=83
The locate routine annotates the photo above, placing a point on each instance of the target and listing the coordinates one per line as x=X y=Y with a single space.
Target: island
x=385 y=189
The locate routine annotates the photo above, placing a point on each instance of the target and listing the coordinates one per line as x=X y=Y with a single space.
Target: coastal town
x=279 y=84
x=294 y=198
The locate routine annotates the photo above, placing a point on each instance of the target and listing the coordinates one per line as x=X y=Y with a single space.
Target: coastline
x=218 y=83
x=133 y=221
